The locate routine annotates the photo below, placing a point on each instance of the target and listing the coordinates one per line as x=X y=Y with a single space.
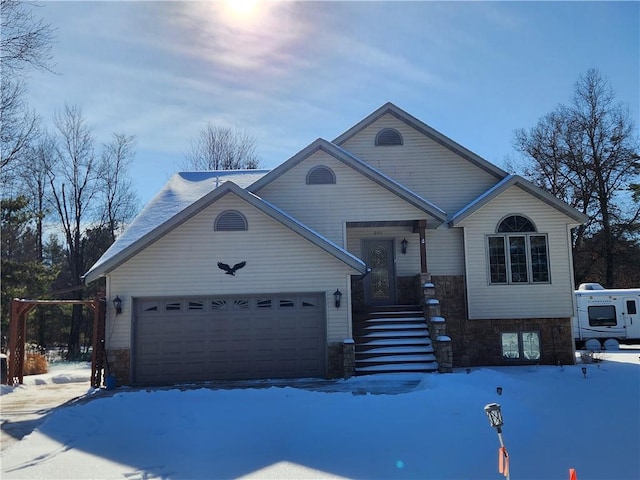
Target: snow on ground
x=554 y=419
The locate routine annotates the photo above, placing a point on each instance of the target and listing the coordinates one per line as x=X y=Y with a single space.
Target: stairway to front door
x=393 y=339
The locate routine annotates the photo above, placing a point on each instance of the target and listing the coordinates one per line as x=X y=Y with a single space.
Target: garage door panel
x=172 y=347
x=278 y=336
x=195 y=347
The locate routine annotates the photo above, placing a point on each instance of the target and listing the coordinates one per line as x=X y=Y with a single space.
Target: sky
x=291 y=72
x=555 y=419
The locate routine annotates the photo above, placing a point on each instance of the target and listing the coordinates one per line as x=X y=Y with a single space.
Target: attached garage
x=191 y=339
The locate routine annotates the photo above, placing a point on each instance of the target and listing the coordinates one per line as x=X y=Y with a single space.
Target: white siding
x=445 y=251
x=326 y=208
x=422 y=165
x=518 y=301
x=184 y=262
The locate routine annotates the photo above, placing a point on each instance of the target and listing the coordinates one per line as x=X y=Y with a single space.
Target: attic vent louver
x=230 y=221
x=321 y=175
x=388 y=136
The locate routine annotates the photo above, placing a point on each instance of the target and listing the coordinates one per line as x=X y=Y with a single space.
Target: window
x=632 y=308
x=523 y=346
x=263 y=303
x=388 y=136
x=602 y=316
x=172 y=306
x=321 y=175
x=517 y=254
x=196 y=305
x=230 y=221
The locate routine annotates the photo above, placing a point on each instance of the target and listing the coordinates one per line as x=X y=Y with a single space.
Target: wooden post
x=421 y=226
x=17 y=332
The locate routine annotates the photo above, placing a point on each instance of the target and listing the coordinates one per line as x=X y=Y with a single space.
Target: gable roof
x=390 y=108
x=527 y=186
x=168 y=210
x=358 y=165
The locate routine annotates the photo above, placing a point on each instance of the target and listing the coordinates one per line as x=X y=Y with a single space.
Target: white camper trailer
x=604 y=318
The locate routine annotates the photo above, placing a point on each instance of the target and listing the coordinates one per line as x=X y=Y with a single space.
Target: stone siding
x=335 y=367
x=119 y=365
x=407 y=294
x=478 y=342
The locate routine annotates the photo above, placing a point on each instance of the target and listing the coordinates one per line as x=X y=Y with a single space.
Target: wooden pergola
x=18 y=327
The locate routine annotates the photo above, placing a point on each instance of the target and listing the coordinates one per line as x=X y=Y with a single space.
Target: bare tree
x=34 y=176
x=120 y=202
x=587 y=154
x=221 y=148
x=73 y=181
x=18 y=126
x=25 y=43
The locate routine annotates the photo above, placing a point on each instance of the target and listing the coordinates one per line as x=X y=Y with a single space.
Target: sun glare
x=241 y=7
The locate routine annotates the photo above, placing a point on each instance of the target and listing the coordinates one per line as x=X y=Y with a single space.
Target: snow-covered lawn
x=554 y=419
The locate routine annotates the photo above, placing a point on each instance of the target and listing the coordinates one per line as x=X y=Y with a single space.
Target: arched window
x=321 y=175
x=230 y=221
x=388 y=136
x=515 y=223
x=517 y=253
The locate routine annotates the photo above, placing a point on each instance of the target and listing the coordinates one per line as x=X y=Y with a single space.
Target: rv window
x=632 y=309
x=602 y=316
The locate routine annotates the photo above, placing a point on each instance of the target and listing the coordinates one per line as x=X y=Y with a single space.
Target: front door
x=380 y=285
x=631 y=317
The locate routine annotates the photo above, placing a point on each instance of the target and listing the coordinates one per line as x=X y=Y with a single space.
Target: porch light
x=404 y=244
x=337 y=296
x=117 y=304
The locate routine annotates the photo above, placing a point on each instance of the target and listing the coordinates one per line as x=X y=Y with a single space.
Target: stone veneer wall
x=119 y=365
x=477 y=342
x=407 y=294
x=335 y=368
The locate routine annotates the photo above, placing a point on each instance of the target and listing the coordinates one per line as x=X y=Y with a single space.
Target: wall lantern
x=584 y=372
x=499 y=390
x=404 y=244
x=337 y=296
x=117 y=304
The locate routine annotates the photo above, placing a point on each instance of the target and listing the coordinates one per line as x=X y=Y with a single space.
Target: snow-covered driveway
x=555 y=419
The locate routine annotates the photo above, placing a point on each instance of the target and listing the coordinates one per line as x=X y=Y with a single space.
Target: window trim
x=326 y=170
x=383 y=132
x=503 y=219
x=239 y=217
x=521 y=350
x=507 y=240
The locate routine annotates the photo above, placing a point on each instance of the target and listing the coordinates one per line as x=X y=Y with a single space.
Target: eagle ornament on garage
x=231 y=270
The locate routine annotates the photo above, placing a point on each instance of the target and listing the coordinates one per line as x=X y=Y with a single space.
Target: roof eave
x=199 y=205
x=515 y=180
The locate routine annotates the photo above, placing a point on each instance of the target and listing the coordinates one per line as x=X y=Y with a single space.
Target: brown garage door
x=180 y=340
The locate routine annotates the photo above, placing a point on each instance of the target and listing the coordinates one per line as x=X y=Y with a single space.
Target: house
x=390 y=248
